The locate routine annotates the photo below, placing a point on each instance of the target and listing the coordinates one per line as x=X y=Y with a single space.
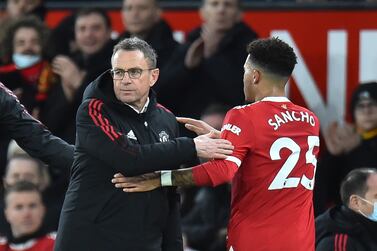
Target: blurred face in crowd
x=134 y=87
x=16 y=8
x=22 y=169
x=220 y=15
x=139 y=16
x=366 y=114
x=26 y=41
x=24 y=211
x=365 y=204
x=91 y=33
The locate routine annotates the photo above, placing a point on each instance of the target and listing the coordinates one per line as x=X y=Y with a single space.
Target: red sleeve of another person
x=237 y=128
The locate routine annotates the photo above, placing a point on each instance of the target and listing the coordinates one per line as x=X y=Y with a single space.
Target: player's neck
x=270 y=91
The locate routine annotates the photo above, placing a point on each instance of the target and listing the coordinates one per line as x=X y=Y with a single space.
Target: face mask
x=373 y=216
x=24 y=61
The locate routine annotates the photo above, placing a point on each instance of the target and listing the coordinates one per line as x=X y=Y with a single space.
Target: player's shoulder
x=243 y=108
x=304 y=109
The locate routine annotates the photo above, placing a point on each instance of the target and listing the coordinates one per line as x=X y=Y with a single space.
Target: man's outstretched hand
x=198 y=126
x=142 y=183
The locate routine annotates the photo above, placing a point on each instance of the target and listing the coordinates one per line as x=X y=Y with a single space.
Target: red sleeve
x=214 y=173
x=236 y=129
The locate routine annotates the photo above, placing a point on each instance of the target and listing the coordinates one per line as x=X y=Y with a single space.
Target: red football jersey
x=45 y=243
x=276 y=145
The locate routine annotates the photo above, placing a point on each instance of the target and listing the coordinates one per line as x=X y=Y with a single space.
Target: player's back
x=272 y=190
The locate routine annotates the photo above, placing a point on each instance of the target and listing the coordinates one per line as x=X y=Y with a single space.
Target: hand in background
x=194 y=54
x=71 y=76
x=212 y=39
x=341 y=139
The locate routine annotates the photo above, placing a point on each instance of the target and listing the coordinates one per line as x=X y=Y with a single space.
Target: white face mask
x=24 y=61
x=373 y=216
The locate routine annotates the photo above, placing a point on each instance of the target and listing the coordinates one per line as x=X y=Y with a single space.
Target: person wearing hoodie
x=349 y=146
x=208 y=67
x=351 y=226
x=142 y=19
x=122 y=129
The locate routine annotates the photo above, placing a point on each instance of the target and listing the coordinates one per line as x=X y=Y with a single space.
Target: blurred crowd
x=49 y=69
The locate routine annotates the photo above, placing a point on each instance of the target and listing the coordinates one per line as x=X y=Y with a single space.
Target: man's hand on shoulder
x=209 y=147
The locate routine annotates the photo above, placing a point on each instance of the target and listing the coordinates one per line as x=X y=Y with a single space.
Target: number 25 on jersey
x=282 y=179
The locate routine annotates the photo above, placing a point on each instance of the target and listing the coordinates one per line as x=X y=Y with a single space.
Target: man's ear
x=354 y=202
x=154 y=76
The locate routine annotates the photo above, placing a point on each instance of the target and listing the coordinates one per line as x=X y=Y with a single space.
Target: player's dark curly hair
x=272 y=55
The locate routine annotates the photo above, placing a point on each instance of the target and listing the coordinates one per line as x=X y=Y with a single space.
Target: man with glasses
x=121 y=128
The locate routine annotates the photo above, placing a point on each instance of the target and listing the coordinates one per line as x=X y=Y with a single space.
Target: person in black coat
x=121 y=129
x=142 y=19
x=30 y=134
x=353 y=225
x=208 y=68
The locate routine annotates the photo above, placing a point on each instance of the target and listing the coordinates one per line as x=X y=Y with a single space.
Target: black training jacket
x=30 y=134
x=111 y=138
x=341 y=229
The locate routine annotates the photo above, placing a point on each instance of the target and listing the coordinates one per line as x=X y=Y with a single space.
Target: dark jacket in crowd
x=207 y=218
x=112 y=138
x=332 y=169
x=340 y=228
x=161 y=39
x=218 y=79
x=59 y=114
x=30 y=134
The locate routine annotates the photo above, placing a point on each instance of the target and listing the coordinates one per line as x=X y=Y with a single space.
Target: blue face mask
x=24 y=61
x=373 y=216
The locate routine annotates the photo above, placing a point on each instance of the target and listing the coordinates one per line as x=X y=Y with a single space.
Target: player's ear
x=256 y=76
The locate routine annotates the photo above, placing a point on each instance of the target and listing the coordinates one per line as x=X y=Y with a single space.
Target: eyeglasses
x=364 y=105
x=133 y=73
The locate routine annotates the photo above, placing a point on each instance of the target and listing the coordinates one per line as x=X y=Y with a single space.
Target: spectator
x=27 y=72
x=353 y=225
x=92 y=37
x=349 y=146
x=142 y=19
x=24 y=210
x=208 y=67
x=25 y=168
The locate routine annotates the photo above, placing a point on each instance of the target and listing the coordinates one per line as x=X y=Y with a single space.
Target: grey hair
x=137 y=44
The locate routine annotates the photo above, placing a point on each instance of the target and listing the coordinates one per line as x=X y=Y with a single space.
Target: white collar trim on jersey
x=23 y=246
x=276 y=99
